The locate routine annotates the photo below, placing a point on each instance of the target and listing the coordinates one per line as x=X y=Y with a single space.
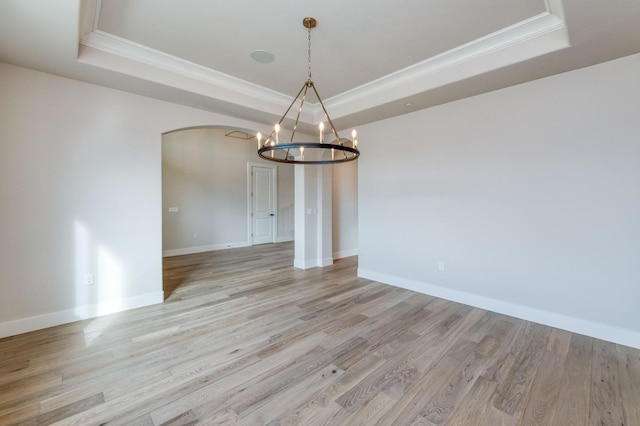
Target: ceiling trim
x=541 y=34
x=127 y=49
x=538 y=35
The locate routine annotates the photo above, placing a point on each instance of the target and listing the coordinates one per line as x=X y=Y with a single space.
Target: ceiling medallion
x=339 y=150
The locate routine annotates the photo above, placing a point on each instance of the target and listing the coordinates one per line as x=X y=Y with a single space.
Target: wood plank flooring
x=244 y=338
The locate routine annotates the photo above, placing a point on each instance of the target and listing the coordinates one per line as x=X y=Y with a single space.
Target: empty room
x=319 y=213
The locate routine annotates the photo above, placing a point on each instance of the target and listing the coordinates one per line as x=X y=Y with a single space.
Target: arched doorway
x=205 y=188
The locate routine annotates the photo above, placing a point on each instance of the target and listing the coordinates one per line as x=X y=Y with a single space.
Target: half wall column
x=313 y=216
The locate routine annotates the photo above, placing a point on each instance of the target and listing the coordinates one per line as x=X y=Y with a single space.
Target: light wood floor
x=244 y=338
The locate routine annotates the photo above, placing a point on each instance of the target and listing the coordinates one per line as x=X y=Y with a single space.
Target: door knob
x=272 y=214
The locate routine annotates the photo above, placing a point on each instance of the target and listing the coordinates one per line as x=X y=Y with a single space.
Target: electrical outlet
x=88 y=279
x=441 y=266
x=174 y=209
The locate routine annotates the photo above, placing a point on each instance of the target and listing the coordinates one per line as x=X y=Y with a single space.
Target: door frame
x=274 y=171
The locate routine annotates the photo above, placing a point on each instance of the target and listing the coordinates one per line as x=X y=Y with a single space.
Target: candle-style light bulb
x=259 y=136
x=321 y=127
x=353 y=137
x=277 y=128
x=302 y=153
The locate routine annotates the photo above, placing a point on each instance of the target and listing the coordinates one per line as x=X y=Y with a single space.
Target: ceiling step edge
x=539 y=35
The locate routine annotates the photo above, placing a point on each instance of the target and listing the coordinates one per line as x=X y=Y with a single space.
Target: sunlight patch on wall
x=99 y=282
x=82 y=249
x=110 y=282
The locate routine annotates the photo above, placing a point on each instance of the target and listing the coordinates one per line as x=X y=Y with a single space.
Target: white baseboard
x=575 y=325
x=314 y=263
x=301 y=264
x=325 y=262
x=24 y=325
x=345 y=253
x=202 y=249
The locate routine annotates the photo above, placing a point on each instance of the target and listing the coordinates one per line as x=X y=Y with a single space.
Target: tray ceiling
x=369 y=63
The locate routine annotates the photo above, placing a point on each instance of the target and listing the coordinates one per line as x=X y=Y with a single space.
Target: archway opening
x=205 y=188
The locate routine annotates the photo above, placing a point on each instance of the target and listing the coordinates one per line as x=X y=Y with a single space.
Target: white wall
x=530 y=195
x=204 y=175
x=80 y=191
x=345 y=209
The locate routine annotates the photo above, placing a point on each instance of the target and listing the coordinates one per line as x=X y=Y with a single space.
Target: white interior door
x=263 y=209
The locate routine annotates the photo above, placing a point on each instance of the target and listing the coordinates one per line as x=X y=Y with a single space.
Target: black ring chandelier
x=338 y=151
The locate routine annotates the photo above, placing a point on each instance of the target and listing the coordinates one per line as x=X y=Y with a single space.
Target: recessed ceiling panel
x=355 y=42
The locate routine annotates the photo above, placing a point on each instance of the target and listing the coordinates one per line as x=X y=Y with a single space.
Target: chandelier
x=339 y=150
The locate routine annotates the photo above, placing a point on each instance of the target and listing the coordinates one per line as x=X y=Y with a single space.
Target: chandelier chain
x=309 y=54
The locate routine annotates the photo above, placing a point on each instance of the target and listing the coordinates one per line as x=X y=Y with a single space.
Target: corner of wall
x=575 y=325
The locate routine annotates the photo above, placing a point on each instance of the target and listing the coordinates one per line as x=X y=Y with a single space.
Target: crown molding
x=538 y=35
x=118 y=54
x=541 y=34
x=124 y=48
